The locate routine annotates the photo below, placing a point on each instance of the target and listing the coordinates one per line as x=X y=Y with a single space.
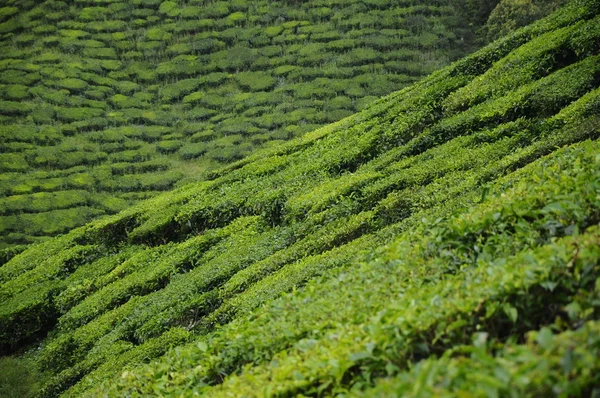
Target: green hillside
x=104 y=103
x=444 y=241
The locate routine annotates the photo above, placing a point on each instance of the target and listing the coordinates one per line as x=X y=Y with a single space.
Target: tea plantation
x=104 y=103
x=444 y=241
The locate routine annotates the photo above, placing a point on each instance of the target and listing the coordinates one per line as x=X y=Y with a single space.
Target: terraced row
x=127 y=99
x=497 y=268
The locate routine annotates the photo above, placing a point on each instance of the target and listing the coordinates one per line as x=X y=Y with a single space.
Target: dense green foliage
x=414 y=247
x=510 y=15
x=125 y=99
x=18 y=378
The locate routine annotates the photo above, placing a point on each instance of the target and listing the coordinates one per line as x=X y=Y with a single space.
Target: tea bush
x=266 y=71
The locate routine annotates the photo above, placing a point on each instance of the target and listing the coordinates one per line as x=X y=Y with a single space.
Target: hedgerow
x=328 y=330
x=92 y=71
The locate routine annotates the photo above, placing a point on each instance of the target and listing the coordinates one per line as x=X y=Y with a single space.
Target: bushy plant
x=262 y=74
x=256 y=81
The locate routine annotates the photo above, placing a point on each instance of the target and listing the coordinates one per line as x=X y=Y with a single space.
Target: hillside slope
x=446 y=222
x=104 y=103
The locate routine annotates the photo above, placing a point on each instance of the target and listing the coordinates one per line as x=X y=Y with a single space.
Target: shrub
x=218 y=9
x=12 y=162
x=16 y=92
x=234 y=126
x=192 y=151
x=76 y=85
x=226 y=154
x=236 y=58
x=359 y=56
x=107 y=26
x=122 y=101
x=105 y=53
x=158 y=34
x=77 y=114
x=169 y=146
x=203 y=136
x=256 y=81
x=7 y=12
x=15 y=108
x=273 y=31
x=237 y=17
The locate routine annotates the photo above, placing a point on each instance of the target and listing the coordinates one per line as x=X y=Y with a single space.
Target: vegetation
x=87 y=86
x=444 y=240
x=17 y=378
x=512 y=14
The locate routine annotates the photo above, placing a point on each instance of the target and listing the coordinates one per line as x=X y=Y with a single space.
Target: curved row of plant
x=127 y=99
x=483 y=277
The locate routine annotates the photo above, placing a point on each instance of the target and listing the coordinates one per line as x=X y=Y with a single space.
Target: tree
x=510 y=15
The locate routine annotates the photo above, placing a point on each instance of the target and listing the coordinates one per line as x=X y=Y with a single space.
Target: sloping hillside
x=104 y=103
x=444 y=239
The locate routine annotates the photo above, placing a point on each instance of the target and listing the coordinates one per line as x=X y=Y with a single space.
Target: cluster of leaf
x=86 y=86
x=344 y=202
x=483 y=278
x=548 y=365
